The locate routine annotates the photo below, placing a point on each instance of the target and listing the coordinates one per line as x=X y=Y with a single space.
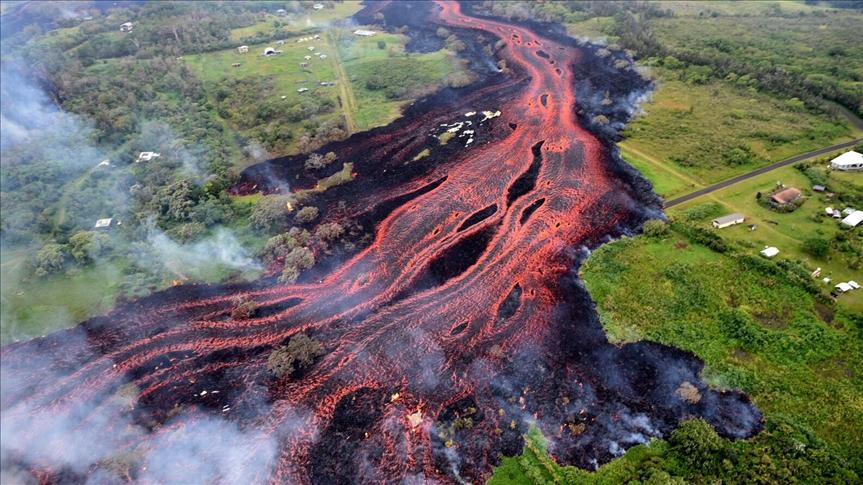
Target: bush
x=307 y=214
x=655 y=228
x=817 y=247
x=85 y=246
x=317 y=161
x=277 y=247
x=271 y=214
x=300 y=352
x=50 y=259
x=296 y=261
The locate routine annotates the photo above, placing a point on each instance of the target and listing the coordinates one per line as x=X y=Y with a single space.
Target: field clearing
x=690 y=8
x=293 y=23
x=786 y=231
x=666 y=181
x=692 y=128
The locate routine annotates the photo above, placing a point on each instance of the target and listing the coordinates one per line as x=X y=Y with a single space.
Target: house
x=104 y=163
x=243 y=49
x=281 y=12
x=146 y=156
x=318 y=6
x=308 y=58
x=127 y=27
x=302 y=90
x=103 y=223
x=786 y=196
x=269 y=51
x=819 y=188
x=846 y=287
x=853 y=219
x=364 y=33
x=848 y=161
x=323 y=56
x=769 y=251
x=728 y=220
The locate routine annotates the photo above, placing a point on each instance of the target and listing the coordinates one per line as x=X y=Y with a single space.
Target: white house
x=104 y=163
x=848 y=161
x=127 y=27
x=364 y=33
x=728 y=220
x=318 y=6
x=769 y=251
x=146 y=156
x=243 y=49
x=103 y=223
x=853 y=219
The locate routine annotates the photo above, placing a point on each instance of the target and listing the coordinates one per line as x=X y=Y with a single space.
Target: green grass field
x=687 y=130
x=785 y=231
x=293 y=23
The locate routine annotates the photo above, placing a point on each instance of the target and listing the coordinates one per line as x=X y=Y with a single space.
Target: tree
x=698 y=446
x=299 y=259
x=243 y=308
x=50 y=259
x=655 y=228
x=271 y=213
x=817 y=247
x=382 y=45
x=329 y=232
x=442 y=32
x=307 y=214
x=85 y=246
x=317 y=161
x=300 y=352
x=277 y=247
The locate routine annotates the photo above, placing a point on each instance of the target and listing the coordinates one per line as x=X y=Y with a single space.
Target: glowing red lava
x=458 y=327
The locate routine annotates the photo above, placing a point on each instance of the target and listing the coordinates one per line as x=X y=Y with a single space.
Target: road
x=349 y=101
x=749 y=175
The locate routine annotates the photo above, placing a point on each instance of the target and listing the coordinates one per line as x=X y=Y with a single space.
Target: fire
x=470 y=308
x=290 y=206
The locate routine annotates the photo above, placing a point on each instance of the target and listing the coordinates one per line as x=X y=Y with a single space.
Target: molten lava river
x=459 y=326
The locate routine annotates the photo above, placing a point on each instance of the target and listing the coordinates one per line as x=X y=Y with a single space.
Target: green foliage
x=86 y=246
x=307 y=214
x=655 y=228
x=50 y=259
x=818 y=247
x=271 y=213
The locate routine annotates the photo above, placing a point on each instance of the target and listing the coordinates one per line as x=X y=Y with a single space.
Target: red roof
x=786 y=196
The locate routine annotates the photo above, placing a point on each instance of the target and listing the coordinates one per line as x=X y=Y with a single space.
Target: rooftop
x=786 y=196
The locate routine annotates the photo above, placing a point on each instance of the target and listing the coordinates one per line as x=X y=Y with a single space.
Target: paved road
x=749 y=175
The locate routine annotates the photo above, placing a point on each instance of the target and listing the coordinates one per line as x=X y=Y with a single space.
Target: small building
x=310 y=48
x=853 y=219
x=104 y=163
x=302 y=90
x=728 y=220
x=848 y=161
x=318 y=6
x=269 y=51
x=243 y=49
x=308 y=58
x=323 y=56
x=281 y=12
x=819 y=188
x=769 y=251
x=844 y=287
x=146 y=156
x=848 y=211
x=786 y=196
x=236 y=64
x=364 y=32
x=280 y=42
x=103 y=223
x=304 y=64
x=127 y=27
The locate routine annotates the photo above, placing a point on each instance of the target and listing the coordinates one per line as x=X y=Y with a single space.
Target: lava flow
x=457 y=328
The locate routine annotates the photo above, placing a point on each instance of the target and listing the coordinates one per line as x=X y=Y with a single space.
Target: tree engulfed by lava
x=458 y=327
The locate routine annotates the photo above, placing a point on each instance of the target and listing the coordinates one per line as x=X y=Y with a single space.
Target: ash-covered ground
x=457 y=327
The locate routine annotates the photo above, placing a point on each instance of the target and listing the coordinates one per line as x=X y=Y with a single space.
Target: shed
x=318 y=6
x=302 y=90
x=243 y=49
x=103 y=223
x=364 y=32
x=843 y=287
x=769 y=251
x=236 y=64
x=848 y=161
x=127 y=27
x=147 y=156
x=281 y=12
x=104 y=163
x=853 y=219
x=787 y=196
x=819 y=188
x=269 y=51
x=728 y=220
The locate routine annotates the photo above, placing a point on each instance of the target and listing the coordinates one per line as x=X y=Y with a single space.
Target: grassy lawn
x=293 y=23
x=690 y=129
x=58 y=301
x=786 y=231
